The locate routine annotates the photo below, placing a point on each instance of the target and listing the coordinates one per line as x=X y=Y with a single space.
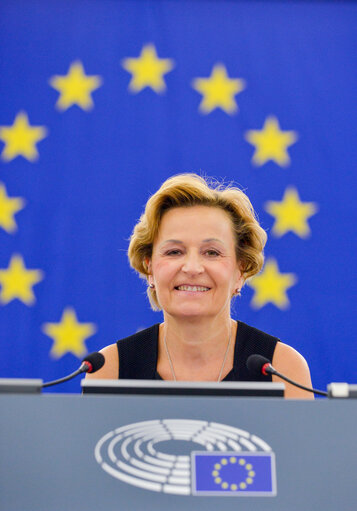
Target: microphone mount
x=269 y=369
x=260 y=365
x=90 y=364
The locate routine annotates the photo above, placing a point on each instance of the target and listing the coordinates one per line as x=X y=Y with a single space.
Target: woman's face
x=193 y=266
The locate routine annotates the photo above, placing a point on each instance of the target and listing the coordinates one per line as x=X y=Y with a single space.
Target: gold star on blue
x=218 y=91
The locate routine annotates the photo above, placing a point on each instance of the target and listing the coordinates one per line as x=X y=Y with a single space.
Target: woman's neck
x=197 y=347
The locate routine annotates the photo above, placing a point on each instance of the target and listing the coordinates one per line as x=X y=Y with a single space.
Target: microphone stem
x=274 y=371
x=82 y=369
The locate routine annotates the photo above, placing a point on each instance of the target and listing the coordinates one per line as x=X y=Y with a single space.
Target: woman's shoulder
x=291 y=363
x=283 y=353
x=286 y=358
x=141 y=335
x=110 y=369
x=253 y=332
x=283 y=357
x=252 y=341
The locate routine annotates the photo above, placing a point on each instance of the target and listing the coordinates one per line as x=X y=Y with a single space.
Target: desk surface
x=48 y=442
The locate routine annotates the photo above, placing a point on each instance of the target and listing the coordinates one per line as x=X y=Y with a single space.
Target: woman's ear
x=240 y=277
x=149 y=267
x=149 y=270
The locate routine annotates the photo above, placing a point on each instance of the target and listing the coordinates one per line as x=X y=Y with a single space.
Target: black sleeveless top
x=138 y=353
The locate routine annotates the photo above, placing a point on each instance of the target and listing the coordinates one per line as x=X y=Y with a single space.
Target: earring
x=151 y=286
x=237 y=291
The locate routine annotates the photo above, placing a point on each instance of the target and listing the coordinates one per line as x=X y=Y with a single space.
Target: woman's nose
x=192 y=264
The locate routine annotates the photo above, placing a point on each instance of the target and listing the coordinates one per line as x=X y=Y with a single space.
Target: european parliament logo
x=189 y=457
x=233 y=473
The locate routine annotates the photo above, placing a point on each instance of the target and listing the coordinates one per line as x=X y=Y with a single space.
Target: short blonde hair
x=185 y=190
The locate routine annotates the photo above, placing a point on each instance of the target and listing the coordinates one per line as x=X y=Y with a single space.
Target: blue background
x=97 y=169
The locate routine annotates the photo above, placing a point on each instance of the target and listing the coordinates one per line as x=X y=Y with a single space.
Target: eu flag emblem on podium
x=234 y=473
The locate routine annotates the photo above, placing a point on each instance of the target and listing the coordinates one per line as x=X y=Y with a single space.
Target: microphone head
x=255 y=364
x=94 y=361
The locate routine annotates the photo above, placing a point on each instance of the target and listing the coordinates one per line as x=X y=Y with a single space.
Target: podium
x=71 y=452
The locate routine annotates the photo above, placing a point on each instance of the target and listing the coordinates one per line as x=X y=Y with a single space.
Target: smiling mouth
x=200 y=289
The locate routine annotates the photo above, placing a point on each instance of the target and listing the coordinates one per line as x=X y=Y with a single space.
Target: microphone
x=90 y=364
x=257 y=364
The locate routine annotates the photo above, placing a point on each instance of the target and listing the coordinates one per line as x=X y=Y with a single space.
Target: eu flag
x=102 y=100
x=233 y=473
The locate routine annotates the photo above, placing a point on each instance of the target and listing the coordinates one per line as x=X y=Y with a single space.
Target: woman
x=196 y=244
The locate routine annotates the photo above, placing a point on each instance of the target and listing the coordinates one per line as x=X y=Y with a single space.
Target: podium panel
x=62 y=452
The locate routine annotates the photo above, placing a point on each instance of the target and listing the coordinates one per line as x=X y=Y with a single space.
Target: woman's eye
x=173 y=252
x=212 y=253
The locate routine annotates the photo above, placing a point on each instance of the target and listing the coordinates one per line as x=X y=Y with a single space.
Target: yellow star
x=218 y=90
x=20 y=138
x=69 y=335
x=270 y=286
x=291 y=214
x=8 y=208
x=75 y=88
x=17 y=282
x=147 y=70
x=271 y=143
